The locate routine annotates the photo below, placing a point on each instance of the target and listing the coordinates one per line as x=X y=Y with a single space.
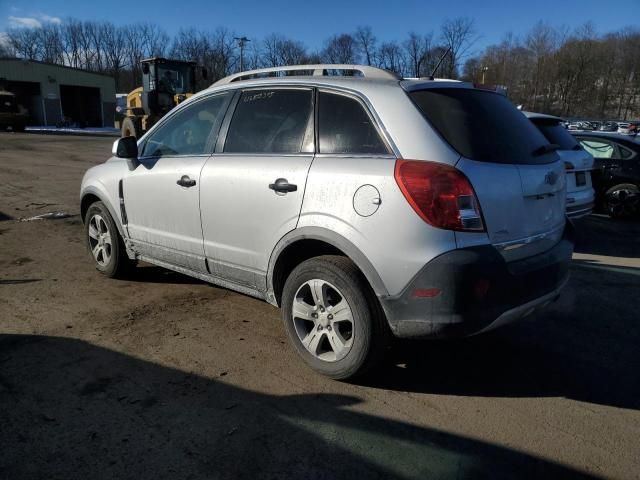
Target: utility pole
x=484 y=70
x=242 y=41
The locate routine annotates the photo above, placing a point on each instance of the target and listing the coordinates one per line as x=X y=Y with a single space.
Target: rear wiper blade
x=544 y=149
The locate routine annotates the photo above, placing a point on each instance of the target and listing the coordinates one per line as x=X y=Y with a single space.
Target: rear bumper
x=580 y=203
x=478 y=291
x=578 y=211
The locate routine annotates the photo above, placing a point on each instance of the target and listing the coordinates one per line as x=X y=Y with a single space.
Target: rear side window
x=269 y=121
x=598 y=148
x=482 y=125
x=345 y=127
x=555 y=133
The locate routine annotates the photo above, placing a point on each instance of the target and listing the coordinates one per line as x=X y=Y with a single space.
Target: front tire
x=332 y=317
x=105 y=243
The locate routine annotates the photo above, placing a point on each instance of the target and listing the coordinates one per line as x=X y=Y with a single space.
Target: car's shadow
x=151 y=274
x=584 y=347
x=72 y=410
x=602 y=235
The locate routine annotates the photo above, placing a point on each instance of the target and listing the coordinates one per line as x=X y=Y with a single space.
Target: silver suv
x=365 y=206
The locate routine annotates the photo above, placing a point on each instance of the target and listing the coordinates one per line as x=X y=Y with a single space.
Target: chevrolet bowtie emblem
x=551 y=178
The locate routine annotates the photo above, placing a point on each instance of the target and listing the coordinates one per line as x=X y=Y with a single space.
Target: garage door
x=81 y=105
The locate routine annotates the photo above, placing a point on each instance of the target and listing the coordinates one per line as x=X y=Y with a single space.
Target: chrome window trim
x=387 y=156
x=263 y=154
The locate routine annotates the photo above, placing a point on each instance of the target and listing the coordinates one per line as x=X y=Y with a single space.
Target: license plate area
x=581 y=179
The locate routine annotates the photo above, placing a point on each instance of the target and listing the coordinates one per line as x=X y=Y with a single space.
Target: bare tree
x=5 y=47
x=416 y=49
x=541 y=42
x=366 y=44
x=391 y=57
x=554 y=70
x=113 y=40
x=25 y=42
x=279 y=50
x=459 y=35
x=340 y=49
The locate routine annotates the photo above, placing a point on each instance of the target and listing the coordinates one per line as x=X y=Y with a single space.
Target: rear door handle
x=185 y=181
x=282 y=186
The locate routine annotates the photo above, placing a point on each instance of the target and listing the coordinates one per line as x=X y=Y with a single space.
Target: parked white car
x=577 y=161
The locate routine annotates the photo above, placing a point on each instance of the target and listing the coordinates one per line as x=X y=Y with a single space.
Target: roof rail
x=316 y=71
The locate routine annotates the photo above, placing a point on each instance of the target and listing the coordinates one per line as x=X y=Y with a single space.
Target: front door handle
x=185 y=181
x=282 y=186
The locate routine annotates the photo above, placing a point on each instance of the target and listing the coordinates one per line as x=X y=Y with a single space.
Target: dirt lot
x=162 y=376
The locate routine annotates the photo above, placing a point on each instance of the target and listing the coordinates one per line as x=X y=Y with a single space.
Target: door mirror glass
x=126 y=147
x=145 y=68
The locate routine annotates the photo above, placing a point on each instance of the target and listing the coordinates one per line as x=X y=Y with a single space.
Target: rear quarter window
x=346 y=128
x=482 y=125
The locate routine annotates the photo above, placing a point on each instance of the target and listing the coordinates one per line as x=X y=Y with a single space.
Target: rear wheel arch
x=309 y=242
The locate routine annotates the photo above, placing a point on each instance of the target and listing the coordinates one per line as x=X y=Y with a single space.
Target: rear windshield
x=556 y=133
x=482 y=125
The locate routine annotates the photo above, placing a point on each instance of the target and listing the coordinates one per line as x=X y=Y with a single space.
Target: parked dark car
x=12 y=114
x=609 y=127
x=616 y=174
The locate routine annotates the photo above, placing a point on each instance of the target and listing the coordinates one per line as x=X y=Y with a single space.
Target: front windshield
x=174 y=79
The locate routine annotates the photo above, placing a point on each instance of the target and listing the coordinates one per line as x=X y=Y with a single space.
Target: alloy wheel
x=100 y=240
x=323 y=320
x=623 y=202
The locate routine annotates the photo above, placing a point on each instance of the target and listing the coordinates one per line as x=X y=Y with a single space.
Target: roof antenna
x=432 y=77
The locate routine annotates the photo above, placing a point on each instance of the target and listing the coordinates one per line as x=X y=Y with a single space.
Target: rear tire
x=622 y=201
x=340 y=347
x=105 y=243
x=19 y=127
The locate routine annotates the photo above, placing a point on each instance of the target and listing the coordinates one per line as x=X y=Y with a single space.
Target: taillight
x=442 y=195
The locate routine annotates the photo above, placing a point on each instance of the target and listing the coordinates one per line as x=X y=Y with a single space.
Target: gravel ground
x=163 y=376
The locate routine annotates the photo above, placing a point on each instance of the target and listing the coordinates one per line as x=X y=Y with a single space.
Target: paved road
x=162 y=376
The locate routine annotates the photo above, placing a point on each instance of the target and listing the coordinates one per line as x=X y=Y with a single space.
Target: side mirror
x=145 y=68
x=205 y=73
x=125 y=147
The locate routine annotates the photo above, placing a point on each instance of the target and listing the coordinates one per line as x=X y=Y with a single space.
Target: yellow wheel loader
x=165 y=84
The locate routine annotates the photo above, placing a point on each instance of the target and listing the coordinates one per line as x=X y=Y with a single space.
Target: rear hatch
x=577 y=161
x=518 y=177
